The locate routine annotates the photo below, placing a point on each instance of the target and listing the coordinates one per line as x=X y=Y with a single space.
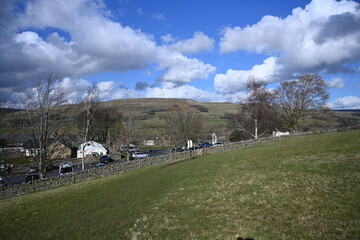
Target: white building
x=277 y=133
x=91 y=148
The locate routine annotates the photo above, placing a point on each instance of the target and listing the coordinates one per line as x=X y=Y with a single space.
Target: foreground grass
x=305 y=188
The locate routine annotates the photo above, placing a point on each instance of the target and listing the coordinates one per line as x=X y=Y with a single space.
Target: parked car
x=33 y=169
x=138 y=155
x=179 y=148
x=105 y=159
x=31 y=176
x=66 y=168
x=205 y=145
x=2 y=182
x=100 y=165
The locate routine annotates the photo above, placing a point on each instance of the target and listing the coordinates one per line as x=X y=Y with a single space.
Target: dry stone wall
x=52 y=182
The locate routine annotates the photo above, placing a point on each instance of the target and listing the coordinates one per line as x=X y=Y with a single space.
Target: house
x=91 y=148
x=60 y=150
x=60 y=146
x=149 y=142
x=12 y=143
x=32 y=147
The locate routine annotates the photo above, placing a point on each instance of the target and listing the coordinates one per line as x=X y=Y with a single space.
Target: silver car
x=138 y=155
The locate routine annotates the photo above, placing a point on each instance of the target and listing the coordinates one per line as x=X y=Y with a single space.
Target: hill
x=149 y=114
x=304 y=188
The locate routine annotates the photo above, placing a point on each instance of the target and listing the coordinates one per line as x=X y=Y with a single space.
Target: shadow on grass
x=241 y=238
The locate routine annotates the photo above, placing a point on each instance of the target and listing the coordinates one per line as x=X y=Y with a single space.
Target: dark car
x=205 y=145
x=31 y=176
x=33 y=169
x=100 y=165
x=2 y=182
x=105 y=159
x=179 y=148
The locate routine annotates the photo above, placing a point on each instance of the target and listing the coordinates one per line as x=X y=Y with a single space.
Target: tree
x=128 y=134
x=86 y=117
x=255 y=117
x=42 y=108
x=104 y=119
x=293 y=99
x=184 y=123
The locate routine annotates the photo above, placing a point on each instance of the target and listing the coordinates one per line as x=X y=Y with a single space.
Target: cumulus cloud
x=336 y=83
x=323 y=37
x=199 y=43
x=109 y=90
x=180 y=69
x=349 y=102
x=235 y=80
x=169 y=90
x=168 y=38
x=186 y=91
x=84 y=40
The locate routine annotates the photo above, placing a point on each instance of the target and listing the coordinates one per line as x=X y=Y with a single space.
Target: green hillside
x=303 y=188
x=149 y=114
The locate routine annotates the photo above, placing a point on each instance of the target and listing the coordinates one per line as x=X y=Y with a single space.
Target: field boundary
x=63 y=180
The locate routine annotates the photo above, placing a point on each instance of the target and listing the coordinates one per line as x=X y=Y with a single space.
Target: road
x=16 y=179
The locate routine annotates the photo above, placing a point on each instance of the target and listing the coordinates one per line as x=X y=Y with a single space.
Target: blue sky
x=201 y=50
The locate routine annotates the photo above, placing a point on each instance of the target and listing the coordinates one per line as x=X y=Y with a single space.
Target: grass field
x=304 y=188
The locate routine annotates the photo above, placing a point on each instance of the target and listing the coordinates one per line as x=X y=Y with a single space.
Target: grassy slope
x=305 y=188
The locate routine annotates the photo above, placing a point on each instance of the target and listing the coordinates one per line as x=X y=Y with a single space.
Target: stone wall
x=52 y=182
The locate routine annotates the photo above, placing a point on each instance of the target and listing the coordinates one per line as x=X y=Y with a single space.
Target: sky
x=201 y=50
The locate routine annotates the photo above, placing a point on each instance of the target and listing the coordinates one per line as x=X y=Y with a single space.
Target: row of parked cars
x=64 y=168
x=68 y=168
x=181 y=148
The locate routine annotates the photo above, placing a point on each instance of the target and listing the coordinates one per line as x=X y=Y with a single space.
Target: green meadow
x=301 y=188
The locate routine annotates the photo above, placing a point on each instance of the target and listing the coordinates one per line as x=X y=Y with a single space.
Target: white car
x=138 y=155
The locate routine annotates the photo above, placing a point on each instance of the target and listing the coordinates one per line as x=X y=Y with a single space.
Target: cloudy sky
x=201 y=50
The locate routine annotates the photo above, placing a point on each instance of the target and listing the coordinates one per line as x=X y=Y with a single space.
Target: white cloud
x=199 y=43
x=235 y=80
x=180 y=69
x=349 y=102
x=186 y=91
x=322 y=37
x=169 y=90
x=109 y=90
x=75 y=89
x=168 y=38
x=336 y=83
x=97 y=43
x=85 y=40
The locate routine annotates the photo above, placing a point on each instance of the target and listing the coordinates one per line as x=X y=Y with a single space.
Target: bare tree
x=90 y=103
x=128 y=134
x=42 y=108
x=184 y=123
x=104 y=119
x=293 y=99
x=255 y=117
